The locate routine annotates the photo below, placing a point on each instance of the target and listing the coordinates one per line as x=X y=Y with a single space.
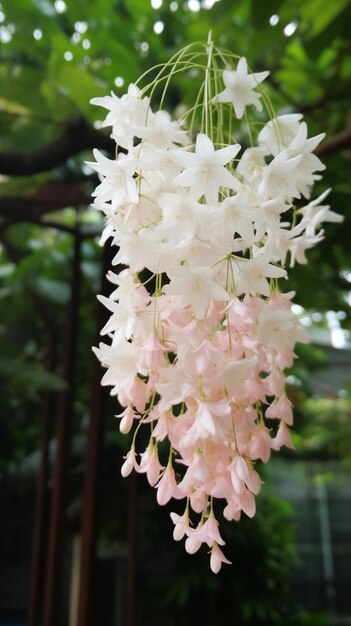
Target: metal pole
x=40 y=517
x=132 y=550
x=89 y=528
x=327 y=548
x=56 y=535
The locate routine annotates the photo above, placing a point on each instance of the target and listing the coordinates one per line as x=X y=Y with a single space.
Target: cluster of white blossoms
x=200 y=333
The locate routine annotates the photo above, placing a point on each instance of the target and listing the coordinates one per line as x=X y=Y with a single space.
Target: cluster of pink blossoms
x=198 y=349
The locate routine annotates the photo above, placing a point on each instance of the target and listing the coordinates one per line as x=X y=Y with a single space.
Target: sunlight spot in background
x=60 y=6
x=331 y=332
x=273 y=20
x=290 y=29
x=338 y=336
x=119 y=81
x=156 y=4
x=37 y=34
x=317 y=317
x=158 y=27
x=86 y=44
x=297 y=309
x=338 y=339
x=173 y=6
x=81 y=27
x=76 y=37
x=341 y=315
x=68 y=56
x=5 y=34
x=194 y=5
x=208 y=4
x=143 y=47
x=2 y=16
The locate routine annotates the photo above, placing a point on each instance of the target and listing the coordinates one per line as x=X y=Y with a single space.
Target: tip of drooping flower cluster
x=217 y=558
x=205 y=533
x=199 y=334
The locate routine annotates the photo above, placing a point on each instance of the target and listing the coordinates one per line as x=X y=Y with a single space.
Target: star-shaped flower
x=118 y=183
x=239 y=88
x=204 y=172
x=196 y=286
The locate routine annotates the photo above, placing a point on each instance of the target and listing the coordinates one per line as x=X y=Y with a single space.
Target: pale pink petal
x=217 y=558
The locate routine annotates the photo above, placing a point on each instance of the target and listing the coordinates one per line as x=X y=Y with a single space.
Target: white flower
x=251 y=275
x=124 y=111
x=267 y=217
x=250 y=168
x=235 y=215
x=156 y=162
x=204 y=171
x=314 y=214
x=278 y=329
x=196 y=286
x=287 y=133
x=278 y=133
x=279 y=176
x=121 y=361
x=182 y=217
x=239 y=88
x=299 y=245
x=122 y=321
x=118 y=185
x=277 y=243
x=138 y=251
x=309 y=162
x=160 y=131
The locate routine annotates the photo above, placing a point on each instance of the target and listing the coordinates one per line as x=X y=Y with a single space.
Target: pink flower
x=217 y=558
x=181 y=525
x=260 y=444
x=167 y=487
x=208 y=532
x=129 y=463
x=281 y=408
x=127 y=418
x=282 y=438
x=150 y=464
x=192 y=544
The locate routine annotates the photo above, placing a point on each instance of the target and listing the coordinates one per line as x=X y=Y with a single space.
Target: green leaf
x=54 y=290
x=314 y=16
x=79 y=85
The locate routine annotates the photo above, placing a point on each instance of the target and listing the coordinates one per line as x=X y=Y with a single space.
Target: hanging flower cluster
x=200 y=334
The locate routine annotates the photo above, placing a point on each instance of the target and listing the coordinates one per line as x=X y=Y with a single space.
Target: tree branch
x=52 y=196
x=340 y=141
x=78 y=135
